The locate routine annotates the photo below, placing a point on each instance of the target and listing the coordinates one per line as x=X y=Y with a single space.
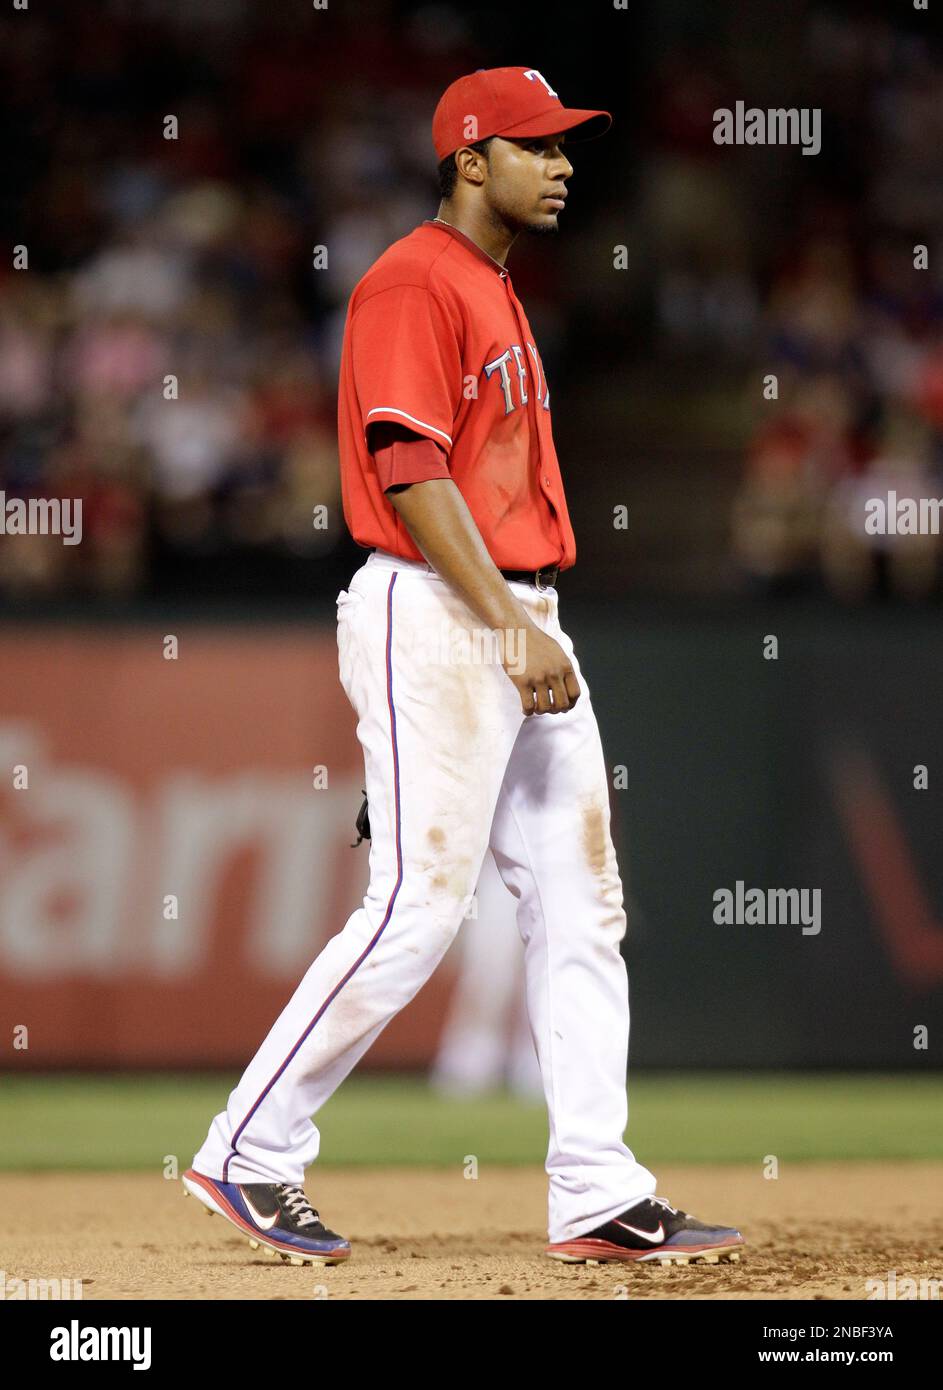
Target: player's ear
x=471 y=164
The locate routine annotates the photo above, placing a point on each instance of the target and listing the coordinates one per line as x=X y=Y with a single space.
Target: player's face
x=526 y=181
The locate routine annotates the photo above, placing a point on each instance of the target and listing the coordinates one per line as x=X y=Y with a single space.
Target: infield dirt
x=818 y=1231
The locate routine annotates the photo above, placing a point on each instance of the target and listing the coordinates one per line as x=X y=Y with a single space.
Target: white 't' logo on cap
x=535 y=76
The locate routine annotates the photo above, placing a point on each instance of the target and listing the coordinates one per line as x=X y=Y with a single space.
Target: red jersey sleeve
x=402 y=456
x=406 y=362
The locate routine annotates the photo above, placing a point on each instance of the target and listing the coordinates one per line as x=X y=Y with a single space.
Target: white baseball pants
x=486 y=1040
x=452 y=764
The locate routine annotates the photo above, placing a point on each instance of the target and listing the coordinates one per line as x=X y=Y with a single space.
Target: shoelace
x=297 y=1204
x=663 y=1202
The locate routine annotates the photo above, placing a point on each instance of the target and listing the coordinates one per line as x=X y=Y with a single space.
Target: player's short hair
x=448 y=171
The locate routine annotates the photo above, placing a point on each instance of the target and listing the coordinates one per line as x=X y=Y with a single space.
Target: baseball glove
x=363 y=823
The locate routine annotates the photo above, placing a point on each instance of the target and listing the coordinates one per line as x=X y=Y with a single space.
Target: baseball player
x=473 y=714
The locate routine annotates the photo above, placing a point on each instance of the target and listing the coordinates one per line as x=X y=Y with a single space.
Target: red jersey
x=437 y=341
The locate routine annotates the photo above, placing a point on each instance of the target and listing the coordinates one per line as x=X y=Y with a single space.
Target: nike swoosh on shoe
x=264 y=1223
x=656 y=1236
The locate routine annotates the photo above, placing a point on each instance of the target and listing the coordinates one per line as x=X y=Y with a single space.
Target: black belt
x=544 y=578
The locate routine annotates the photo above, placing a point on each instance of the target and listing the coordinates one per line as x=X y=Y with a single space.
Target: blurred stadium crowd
x=193 y=257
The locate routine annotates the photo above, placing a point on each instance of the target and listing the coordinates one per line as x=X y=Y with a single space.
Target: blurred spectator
x=856 y=560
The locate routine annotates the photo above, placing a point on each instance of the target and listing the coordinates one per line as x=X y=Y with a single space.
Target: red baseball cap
x=515 y=102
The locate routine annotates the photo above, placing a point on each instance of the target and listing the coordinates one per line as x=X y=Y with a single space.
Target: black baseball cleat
x=277 y=1216
x=652 y=1231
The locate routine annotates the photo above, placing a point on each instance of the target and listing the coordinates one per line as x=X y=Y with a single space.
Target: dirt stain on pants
x=595 y=837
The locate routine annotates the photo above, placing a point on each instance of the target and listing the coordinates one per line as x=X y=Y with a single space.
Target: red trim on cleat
x=590 y=1248
x=263 y=1237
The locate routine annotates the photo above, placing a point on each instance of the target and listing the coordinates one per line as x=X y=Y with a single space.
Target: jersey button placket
x=531 y=399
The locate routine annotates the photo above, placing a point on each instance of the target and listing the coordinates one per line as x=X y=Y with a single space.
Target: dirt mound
x=817 y=1231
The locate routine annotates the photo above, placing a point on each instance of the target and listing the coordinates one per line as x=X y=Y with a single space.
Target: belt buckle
x=542 y=588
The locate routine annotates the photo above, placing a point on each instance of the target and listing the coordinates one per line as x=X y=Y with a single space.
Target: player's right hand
x=545 y=679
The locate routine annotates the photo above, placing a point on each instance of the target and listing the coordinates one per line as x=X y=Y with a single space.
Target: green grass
x=103 y=1122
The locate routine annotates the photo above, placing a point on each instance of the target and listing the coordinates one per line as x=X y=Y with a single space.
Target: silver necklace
x=503 y=269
